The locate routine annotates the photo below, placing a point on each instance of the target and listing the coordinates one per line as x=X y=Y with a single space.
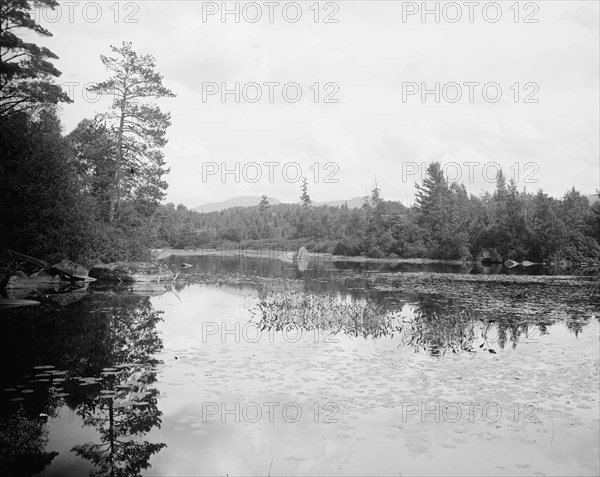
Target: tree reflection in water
x=123 y=405
x=95 y=356
x=22 y=444
x=425 y=324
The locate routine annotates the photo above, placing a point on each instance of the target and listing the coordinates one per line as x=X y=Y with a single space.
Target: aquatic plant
x=280 y=309
x=424 y=328
x=439 y=333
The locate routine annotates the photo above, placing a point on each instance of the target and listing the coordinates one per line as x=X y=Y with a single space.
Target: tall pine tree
x=139 y=128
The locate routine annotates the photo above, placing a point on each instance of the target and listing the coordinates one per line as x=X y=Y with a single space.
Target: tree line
x=445 y=222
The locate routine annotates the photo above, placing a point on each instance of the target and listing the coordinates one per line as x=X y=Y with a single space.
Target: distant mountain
x=251 y=201
x=245 y=201
x=355 y=203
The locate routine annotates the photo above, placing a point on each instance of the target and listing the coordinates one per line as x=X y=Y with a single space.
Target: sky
x=352 y=94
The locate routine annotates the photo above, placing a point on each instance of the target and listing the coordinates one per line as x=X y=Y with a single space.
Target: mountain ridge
x=253 y=201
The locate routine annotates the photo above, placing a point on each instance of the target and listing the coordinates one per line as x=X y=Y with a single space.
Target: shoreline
x=286 y=255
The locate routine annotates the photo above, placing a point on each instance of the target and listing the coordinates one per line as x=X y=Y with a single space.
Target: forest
x=97 y=193
x=445 y=222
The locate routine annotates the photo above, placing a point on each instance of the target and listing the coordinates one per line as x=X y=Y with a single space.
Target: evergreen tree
x=26 y=70
x=139 y=128
x=264 y=204
x=431 y=192
x=305 y=198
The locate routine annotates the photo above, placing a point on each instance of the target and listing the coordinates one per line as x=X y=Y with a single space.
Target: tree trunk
x=114 y=194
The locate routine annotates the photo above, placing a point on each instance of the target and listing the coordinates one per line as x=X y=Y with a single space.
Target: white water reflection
x=372 y=389
x=518 y=361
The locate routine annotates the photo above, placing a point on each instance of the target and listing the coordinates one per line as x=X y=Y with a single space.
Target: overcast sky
x=375 y=61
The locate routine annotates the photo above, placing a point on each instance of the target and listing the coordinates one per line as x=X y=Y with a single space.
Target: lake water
x=238 y=368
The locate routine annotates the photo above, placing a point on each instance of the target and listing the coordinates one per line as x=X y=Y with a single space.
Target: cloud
x=370 y=132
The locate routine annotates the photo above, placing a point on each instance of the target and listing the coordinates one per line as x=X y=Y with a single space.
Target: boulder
x=43 y=276
x=287 y=257
x=301 y=255
x=131 y=272
x=489 y=255
x=392 y=255
x=72 y=269
x=20 y=280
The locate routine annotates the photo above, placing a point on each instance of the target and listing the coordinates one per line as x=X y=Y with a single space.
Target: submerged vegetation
x=435 y=327
x=324 y=312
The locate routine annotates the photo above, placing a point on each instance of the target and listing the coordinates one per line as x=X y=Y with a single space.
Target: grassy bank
x=273 y=254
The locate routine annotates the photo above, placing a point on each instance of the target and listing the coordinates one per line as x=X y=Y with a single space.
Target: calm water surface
x=181 y=380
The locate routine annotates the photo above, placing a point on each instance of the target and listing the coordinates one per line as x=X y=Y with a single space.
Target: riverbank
x=286 y=255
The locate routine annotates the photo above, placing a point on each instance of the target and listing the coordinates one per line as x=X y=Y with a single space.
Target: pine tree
x=139 y=127
x=433 y=188
x=26 y=70
x=305 y=198
x=264 y=204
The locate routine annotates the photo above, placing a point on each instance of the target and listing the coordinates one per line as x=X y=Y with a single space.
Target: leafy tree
x=44 y=211
x=94 y=147
x=26 y=70
x=139 y=128
x=595 y=218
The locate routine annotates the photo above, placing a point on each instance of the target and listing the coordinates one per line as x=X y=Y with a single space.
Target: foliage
x=22 y=445
x=445 y=223
x=26 y=70
x=305 y=198
x=138 y=127
x=95 y=195
x=59 y=194
x=285 y=310
x=43 y=210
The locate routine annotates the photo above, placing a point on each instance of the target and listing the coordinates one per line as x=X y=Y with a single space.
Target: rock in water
x=527 y=263
x=72 y=269
x=510 y=263
x=132 y=272
x=301 y=255
x=19 y=280
x=489 y=255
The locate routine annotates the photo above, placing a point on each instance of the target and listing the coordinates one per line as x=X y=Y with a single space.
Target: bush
x=375 y=252
x=347 y=247
x=582 y=250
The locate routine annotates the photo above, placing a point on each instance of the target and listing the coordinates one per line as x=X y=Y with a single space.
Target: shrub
x=375 y=252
